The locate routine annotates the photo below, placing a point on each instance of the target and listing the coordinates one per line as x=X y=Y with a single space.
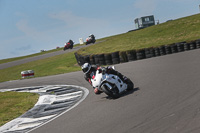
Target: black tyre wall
x=115 y=58
x=198 y=43
x=131 y=55
x=180 y=47
x=174 y=48
x=123 y=57
x=168 y=49
x=101 y=59
x=192 y=45
x=87 y=59
x=162 y=50
x=157 y=51
x=152 y=52
x=140 y=54
x=92 y=61
x=108 y=59
x=186 y=46
x=96 y=59
x=149 y=52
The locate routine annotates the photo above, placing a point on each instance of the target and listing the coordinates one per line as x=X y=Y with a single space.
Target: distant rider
x=88 y=69
x=92 y=36
x=71 y=42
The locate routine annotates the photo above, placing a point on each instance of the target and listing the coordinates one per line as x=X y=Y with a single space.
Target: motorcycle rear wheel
x=112 y=93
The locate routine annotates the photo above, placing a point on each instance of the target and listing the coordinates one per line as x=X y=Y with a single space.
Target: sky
x=28 y=26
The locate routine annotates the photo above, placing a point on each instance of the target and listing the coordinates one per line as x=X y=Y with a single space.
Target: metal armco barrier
x=27 y=73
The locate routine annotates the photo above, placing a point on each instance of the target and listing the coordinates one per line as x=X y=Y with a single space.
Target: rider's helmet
x=86 y=67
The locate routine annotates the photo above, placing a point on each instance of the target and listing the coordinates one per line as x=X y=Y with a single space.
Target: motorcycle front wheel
x=114 y=93
x=130 y=84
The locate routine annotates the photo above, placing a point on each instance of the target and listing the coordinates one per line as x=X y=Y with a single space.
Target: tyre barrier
x=87 y=58
x=92 y=61
x=192 y=45
x=79 y=59
x=168 y=49
x=96 y=59
x=198 y=43
x=101 y=59
x=133 y=55
x=157 y=51
x=123 y=57
x=162 y=50
x=108 y=59
x=115 y=57
x=140 y=54
x=152 y=52
x=149 y=52
x=180 y=47
x=27 y=73
x=174 y=48
x=186 y=46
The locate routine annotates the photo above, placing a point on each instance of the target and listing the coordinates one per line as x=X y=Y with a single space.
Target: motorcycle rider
x=92 y=36
x=71 y=42
x=88 y=69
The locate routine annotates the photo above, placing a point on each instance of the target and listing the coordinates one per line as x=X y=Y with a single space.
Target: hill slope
x=184 y=29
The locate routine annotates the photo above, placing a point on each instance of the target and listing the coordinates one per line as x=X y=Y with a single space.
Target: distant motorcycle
x=110 y=84
x=68 y=45
x=90 y=39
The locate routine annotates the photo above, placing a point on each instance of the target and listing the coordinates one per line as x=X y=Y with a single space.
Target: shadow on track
x=123 y=94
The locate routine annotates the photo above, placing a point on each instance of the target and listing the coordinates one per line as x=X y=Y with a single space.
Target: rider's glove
x=104 y=70
x=109 y=67
x=96 y=91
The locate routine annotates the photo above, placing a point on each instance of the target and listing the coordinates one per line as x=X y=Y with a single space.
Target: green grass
x=32 y=55
x=23 y=57
x=184 y=29
x=14 y=104
x=59 y=64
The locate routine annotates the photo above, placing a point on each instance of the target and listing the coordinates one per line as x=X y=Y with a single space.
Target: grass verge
x=184 y=29
x=32 y=55
x=49 y=66
x=14 y=104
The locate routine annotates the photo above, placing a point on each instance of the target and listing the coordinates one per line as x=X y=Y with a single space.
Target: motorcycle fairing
x=96 y=78
x=99 y=79
x=114 y=79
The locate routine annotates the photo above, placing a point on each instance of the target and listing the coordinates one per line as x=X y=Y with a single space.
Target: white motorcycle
x=110 y=84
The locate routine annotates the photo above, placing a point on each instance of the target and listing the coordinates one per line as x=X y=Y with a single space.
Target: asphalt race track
x=165 y=100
